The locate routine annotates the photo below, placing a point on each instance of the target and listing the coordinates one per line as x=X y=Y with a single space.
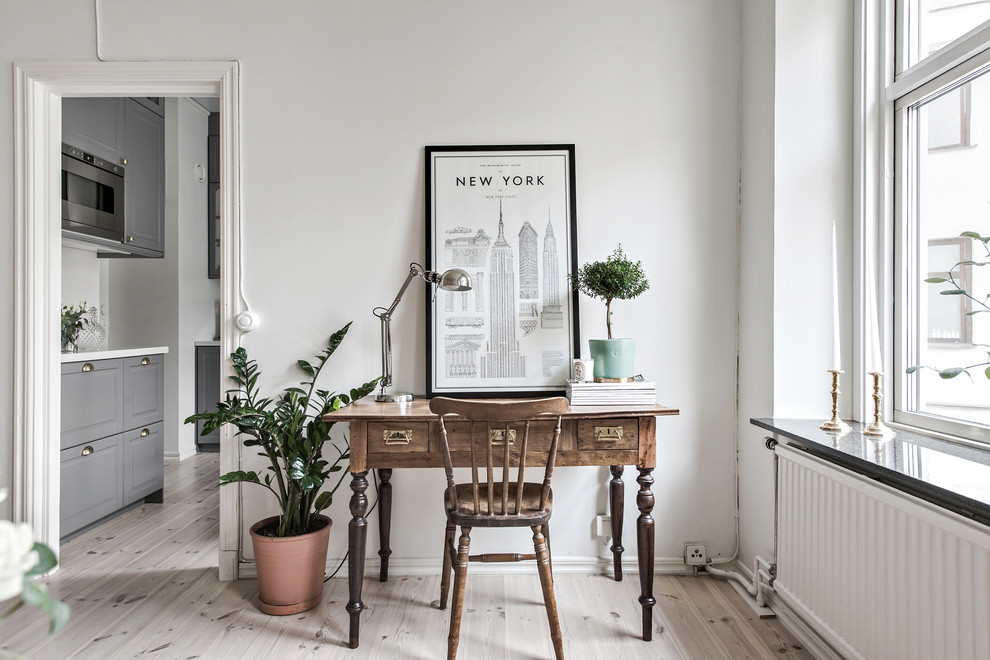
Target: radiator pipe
x=764 y=572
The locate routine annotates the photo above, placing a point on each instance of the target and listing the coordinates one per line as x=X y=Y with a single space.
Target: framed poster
x=506 y=215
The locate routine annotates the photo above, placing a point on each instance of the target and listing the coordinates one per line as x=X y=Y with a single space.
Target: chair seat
x=530 y=512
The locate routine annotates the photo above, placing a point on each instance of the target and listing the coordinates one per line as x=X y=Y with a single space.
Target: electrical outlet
x=603 y=526
x=695 y=555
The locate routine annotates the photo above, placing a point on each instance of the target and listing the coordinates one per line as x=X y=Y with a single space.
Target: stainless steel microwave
x=92 y=197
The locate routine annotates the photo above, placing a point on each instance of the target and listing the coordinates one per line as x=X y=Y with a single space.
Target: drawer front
x=92 y=394
x=391 y=437
x=90 y=483
x=144 y=391
x=540 y=436
x=144 y=462
x=598 y=434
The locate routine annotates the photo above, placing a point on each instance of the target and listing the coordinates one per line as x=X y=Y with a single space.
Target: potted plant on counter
x=616 y=278
x=290 y=549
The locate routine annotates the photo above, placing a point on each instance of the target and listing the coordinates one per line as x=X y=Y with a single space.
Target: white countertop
x=116 y=353
x=207 y=342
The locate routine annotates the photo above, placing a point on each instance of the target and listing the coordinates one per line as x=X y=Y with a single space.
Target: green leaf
x=952 y=372
x=324 y=500
x=952 y=292
x=987 y=372
x=37 y=595
x=936 y=280
x=307 y=367
x=239 y=475
x=46 y=560
x=974 y=236
x=911 y=370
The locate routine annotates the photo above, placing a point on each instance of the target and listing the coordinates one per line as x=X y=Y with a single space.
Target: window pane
x=932 y=24
x=951 y=195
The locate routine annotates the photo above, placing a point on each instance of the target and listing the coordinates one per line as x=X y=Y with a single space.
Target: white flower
x=16 y=557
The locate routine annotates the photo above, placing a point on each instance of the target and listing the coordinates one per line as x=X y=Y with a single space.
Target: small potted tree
x=290 y=549
x=616 y=278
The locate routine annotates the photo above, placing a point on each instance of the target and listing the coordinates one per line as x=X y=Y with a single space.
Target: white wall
x=80 y=277
x=797 y=179
x=338 y=100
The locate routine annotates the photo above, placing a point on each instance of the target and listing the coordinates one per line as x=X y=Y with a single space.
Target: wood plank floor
x=144 y=585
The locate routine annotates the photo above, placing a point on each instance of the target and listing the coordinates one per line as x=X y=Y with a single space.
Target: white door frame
x=38 y=89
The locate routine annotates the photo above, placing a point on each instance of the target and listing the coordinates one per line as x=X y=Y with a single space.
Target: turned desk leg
x=384 y=520
x=616 y=502
x=645 y=538
x=357 y=538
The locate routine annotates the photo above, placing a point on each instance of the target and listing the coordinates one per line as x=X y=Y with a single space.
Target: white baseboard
x=179 y=455
x=230 y=566
x=398 y=567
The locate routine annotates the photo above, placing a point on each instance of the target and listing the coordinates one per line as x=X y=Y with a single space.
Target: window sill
x=953 y=476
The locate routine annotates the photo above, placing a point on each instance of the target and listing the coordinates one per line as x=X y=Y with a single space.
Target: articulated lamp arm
x=454 y=279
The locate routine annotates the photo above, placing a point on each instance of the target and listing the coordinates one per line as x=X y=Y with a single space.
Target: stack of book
x=639 y=392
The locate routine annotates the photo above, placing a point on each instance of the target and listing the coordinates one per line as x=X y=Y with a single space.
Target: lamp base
x=394 y=397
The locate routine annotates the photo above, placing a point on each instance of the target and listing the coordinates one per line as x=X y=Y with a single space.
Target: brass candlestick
x=877 y=428
x=835 y=425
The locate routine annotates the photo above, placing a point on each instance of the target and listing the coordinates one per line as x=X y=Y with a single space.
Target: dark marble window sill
x=953 y=476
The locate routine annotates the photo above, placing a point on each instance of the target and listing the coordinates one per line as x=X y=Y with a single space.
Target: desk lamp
x=454 y=279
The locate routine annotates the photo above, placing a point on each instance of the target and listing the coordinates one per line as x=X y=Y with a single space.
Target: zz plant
x=290 y=432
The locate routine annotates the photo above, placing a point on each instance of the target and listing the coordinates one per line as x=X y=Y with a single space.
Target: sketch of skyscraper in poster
x=506 y=216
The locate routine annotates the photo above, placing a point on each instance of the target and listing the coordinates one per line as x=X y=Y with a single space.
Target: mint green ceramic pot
x=613 y=357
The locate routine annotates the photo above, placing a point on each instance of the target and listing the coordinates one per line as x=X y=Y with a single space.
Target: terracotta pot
x=290 y=569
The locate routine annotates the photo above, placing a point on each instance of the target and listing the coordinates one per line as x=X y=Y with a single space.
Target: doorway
x=38 y=90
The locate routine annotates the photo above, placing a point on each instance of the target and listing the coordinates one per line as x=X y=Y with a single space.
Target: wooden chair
x=499 y=428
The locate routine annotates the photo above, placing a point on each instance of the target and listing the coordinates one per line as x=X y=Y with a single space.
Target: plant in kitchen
x=73 y=320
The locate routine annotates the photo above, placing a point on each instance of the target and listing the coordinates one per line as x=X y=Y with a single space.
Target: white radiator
x=878 y=573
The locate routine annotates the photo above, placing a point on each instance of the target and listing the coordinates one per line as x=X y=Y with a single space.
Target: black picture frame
x=506 y=214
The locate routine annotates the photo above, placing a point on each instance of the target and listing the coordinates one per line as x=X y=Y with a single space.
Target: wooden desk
x=391 y=435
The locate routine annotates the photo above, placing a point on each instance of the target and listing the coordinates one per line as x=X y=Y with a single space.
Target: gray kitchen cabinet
x=113 y=449
x=207 y=393
x=95 y=125
x=92 y=483
x=130 y=132
x=144 y=181
x=213 y=203
x=143 y=389
x=92 y=401
x=154 y=103
x=144 y=468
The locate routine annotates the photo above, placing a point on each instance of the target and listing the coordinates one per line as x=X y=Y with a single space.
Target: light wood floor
x=144 y=585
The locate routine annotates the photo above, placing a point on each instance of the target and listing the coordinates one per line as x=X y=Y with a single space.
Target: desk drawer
x=391 y=437
x=620 y=433
x=540 y=435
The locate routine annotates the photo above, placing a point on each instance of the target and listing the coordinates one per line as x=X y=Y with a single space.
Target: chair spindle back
x=499 y=417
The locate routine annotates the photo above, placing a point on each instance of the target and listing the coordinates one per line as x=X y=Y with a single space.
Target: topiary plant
x=615 y=278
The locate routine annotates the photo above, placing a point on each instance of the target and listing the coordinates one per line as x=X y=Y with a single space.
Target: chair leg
x=448 y=553
x=546 y=535
x=546 y=581
x=460 y=577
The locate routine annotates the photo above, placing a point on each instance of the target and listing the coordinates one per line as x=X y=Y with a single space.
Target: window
x=949 y=318
x=941 y=161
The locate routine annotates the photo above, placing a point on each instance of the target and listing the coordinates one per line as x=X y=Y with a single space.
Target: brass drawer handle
x=87 y=450
x=87 y=367
x=498 y=437
x=144 y=432
x=402 y=437
x=608 y=433
x=145 y=361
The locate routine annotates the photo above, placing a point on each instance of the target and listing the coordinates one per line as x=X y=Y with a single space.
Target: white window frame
x=959 y=60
